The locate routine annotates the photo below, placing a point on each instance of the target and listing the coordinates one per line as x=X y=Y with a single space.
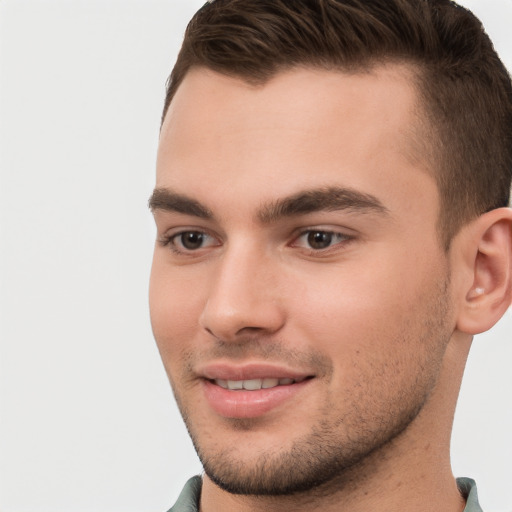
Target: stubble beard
x=316 y=464
x=337 y=451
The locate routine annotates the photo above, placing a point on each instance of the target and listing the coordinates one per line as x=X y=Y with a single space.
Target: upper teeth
x=254 y=384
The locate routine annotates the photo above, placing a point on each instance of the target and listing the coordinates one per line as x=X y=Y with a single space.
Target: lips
x=252 y=390
x=249 y=371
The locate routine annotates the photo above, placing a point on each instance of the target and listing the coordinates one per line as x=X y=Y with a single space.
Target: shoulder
x=467 y=488
x=188 y=500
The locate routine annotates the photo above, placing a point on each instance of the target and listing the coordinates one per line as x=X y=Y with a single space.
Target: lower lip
x=249 y=404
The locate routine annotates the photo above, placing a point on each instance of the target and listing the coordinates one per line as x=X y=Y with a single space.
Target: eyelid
x=169 y=237
x=343 y=234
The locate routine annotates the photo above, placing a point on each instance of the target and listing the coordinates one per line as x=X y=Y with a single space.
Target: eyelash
x=170 y=241
x=342 y=239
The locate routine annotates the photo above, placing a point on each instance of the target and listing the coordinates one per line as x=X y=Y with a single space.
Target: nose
x=243 y=298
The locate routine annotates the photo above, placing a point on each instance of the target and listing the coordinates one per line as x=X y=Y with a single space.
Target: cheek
x=371 y=307
x=385 y=347
x=337 y=298
x=175 y=306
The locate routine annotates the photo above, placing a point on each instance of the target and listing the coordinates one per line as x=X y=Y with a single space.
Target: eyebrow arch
x=166 y=200
x=323 y=199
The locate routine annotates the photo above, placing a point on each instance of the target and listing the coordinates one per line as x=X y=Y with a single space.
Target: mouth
x=256 y=384
x=253 y=390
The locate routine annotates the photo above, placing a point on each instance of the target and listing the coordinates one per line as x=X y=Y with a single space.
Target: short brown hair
x=465 y=88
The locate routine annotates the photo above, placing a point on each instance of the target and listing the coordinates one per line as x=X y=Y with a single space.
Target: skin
x=372 y=319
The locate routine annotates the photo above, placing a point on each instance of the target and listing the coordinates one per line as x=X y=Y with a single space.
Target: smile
x=251 y=398
x=255 y=384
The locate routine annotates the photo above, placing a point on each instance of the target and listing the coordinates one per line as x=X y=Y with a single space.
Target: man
x=331 y=201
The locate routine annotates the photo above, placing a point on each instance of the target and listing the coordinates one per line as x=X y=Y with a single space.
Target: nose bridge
x=243 y=293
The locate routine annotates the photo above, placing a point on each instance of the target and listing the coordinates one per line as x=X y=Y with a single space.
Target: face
x=299 y=292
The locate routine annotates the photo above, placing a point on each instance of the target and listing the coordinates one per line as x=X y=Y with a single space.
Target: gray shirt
x=188 y=500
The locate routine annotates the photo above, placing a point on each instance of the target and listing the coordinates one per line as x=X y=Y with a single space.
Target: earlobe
x=488 y=292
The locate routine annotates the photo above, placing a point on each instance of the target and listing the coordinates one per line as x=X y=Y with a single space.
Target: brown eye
x=191 y=240
x=319 y=239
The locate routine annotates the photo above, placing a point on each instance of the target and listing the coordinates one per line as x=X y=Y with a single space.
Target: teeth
x=269 y=383
x=254 y=384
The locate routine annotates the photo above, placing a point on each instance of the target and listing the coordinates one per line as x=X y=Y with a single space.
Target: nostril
x=250 y=330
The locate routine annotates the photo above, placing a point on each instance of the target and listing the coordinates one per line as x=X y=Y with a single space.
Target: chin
x=314 y=463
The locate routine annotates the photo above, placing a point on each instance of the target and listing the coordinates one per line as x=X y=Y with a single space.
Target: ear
x=486 y=293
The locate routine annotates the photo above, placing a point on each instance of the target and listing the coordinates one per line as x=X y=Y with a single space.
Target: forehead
x=387 y=90
x=304 y=128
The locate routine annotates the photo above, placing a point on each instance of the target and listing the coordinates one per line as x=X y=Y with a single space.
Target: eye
x=189 y=241
x=318 y=240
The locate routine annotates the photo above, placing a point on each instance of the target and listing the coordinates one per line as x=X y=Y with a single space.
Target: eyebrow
x=323 y=199
x=301 y=203
x=165 y=199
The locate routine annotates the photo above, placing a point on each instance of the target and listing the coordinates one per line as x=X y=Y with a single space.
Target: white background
x=87 y=419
